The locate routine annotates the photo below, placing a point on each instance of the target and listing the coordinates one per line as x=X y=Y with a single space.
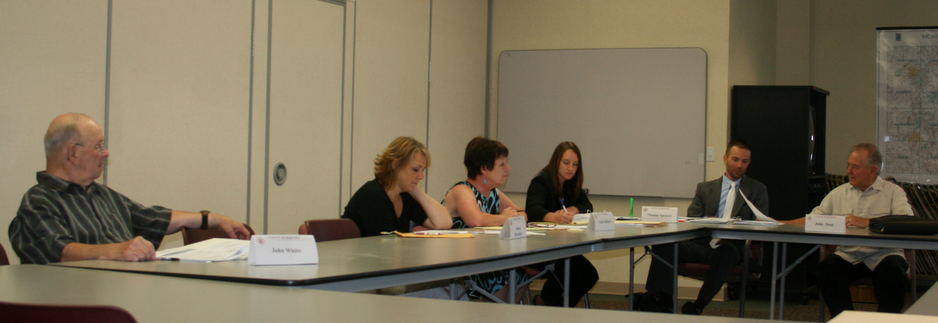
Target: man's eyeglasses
x=100 y=148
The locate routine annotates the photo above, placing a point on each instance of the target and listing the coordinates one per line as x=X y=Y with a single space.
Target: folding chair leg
x=745 y=278
x=586 y=300
x=472 y=284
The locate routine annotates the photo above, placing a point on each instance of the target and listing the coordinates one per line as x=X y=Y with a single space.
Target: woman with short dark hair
x=477 y=202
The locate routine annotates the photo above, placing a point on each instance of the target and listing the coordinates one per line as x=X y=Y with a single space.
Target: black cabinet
x=785 y=127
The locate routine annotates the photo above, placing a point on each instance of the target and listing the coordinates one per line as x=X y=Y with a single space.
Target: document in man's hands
x=215 y=249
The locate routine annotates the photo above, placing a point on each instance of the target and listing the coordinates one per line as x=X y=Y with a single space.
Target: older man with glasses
x=67 y=216
x=866 y=196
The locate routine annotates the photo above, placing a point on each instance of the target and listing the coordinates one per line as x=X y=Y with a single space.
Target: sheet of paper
x=581 y=217
x=529 y=233
x=755 y=210
x=571 y=226
x=760 y=223
x=439 y=232
x=216 y=249
x=709 y=221
x=465 y=234
x=640 y=223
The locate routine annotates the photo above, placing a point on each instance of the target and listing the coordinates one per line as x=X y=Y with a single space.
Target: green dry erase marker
x=631 y=206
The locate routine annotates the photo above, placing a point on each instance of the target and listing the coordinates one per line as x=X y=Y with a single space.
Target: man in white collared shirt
x=866 y=196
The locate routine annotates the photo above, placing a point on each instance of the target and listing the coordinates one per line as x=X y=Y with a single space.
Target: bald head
x=75 y=149
x=64 y=130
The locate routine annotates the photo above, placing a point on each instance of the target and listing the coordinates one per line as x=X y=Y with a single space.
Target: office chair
x=740 y=274
x=29 y=313
x=190 y=236
x=538 y=274
x=3 y=257
x=330 y=229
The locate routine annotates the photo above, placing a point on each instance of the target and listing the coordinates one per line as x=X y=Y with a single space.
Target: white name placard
x=659 y=214
x=601 y=221
x=514 y=228
x=285 y=249
x=825 y=223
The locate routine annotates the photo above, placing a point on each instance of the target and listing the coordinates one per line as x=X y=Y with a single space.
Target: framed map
x=907 y=103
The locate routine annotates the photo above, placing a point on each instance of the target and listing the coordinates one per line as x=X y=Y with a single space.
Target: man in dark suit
x=709 y=201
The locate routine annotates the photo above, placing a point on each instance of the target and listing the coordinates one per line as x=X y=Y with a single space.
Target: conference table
x=785 y=234
x=157 y=298
x=925 y=304
x=386 y=261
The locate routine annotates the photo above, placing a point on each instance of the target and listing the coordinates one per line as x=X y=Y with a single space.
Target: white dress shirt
x=881 y=198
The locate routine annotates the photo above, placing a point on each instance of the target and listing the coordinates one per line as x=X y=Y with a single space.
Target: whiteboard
x=638 y=116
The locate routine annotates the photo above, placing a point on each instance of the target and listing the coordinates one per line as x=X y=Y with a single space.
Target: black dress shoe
x=646 y=302
x=690 y=308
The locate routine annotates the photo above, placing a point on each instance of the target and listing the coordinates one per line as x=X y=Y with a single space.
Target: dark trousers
x=890 y=282
x=660 y=282
x=583 y=277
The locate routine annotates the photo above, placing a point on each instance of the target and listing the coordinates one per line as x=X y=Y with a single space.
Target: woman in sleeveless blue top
x=476 y=202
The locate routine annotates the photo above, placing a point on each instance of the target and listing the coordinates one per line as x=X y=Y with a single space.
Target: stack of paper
x=215 y=249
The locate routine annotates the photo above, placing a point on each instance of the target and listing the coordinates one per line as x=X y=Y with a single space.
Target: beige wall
x=52 y=59
x=793 y=39
x=457 y=110
x=843 y=61
x=752 y=44
x=170 y=64
x=187 y=127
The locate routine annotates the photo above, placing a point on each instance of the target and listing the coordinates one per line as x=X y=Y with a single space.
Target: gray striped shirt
x=56 y=212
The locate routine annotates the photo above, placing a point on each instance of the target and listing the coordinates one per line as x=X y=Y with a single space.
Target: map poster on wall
x=907 y=103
